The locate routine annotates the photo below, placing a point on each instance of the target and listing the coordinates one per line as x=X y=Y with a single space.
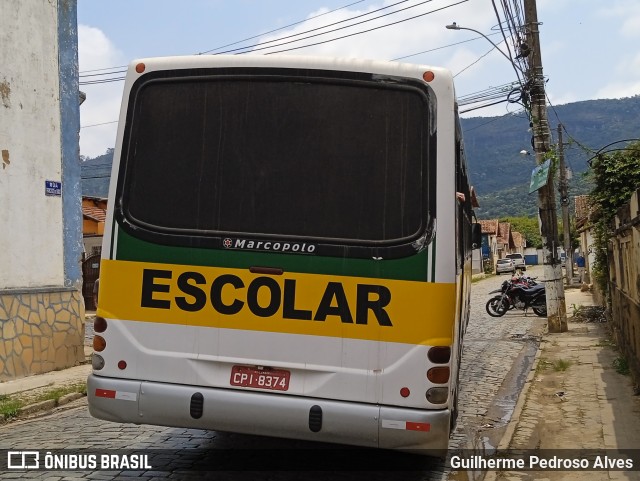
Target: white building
x=41 y=308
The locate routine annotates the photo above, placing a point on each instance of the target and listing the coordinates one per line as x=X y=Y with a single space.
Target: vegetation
x=528 y=227
x=615 y=177
x=9 y=407
x=501 y=175
x=12 y=405
x=57 y=393
x=621 y=365
x=561 y=365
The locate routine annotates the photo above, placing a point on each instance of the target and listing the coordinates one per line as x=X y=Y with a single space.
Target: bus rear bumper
x=268 y=414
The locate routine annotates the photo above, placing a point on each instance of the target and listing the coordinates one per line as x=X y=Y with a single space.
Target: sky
x=589 y=47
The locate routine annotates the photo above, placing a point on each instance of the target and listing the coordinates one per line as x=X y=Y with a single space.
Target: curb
x=37 y=408
x=505 y=441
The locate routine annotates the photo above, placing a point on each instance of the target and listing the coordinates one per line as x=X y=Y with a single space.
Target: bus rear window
x=345 y=161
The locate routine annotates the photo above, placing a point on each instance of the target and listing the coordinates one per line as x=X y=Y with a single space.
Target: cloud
x=421 y=40
x=386 y=39
x=96 y=51
x=618 y=90
x=626 y=81
x=628 y=11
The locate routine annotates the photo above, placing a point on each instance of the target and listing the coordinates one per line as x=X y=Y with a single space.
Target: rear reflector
x=405 y=425
x=121 y=395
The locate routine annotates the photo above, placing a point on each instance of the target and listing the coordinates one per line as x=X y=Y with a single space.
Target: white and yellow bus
x=287 y=251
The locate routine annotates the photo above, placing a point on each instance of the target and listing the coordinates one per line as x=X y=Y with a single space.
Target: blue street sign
x=51 y=187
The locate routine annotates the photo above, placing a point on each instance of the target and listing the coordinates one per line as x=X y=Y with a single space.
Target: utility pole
x=556 y=305
x=564 y=202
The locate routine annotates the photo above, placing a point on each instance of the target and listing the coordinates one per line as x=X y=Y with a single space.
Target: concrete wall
x=624 y=281
x=31 y=234
x=40 y=235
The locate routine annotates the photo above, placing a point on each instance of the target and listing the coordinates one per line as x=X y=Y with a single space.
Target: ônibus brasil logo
x=275 y=246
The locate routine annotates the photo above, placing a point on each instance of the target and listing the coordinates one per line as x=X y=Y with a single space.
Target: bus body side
x=280 y=261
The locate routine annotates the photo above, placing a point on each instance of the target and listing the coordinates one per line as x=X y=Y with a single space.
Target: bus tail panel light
x=97 y=362
x=99 y=343
x=439 y=354
x=437 y=395
x=99 y=324
x=438 y=375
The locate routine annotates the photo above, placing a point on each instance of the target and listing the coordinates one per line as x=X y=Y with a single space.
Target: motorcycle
x=518 y=294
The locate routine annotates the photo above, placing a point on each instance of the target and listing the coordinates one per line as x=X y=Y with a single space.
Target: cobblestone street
x=498 y=353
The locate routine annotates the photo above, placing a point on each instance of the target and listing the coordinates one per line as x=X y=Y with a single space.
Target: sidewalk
x=574 y=400
x=30 y=386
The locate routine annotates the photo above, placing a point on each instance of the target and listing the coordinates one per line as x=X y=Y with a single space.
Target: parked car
x=518 y=261
x=505 y=265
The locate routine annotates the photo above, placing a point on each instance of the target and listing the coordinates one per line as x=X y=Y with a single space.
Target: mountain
x=95 y=173
x=499 y=173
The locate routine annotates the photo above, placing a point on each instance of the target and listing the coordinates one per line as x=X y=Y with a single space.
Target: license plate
x=274 y=379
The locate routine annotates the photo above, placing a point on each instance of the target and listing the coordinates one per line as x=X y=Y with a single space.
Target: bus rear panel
x=280 y=256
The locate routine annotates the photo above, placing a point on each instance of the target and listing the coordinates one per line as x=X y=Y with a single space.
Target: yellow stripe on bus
x=336 y=306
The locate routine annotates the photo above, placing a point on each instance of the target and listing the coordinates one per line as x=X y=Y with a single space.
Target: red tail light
x=439 y=354
x=99 y=324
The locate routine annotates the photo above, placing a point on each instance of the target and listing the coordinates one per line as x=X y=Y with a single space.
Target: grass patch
x=543 y=365
x=58 y=392
x=10 y=407
x=621 y=365
x=561 y=365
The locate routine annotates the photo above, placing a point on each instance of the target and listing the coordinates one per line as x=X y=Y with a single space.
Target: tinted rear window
x=343 y=161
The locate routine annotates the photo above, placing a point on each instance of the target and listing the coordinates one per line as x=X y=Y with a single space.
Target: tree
x=616 y=176
x=528 y=227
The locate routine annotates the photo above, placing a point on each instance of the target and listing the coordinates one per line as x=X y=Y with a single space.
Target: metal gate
x=90 y=272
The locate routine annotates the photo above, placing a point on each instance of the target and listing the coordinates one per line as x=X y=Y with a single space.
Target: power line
x=491 y=121
x=371 y=29
x=234 y=43
x=93 y=82
x=252 y=49
x=440 y=48
x=515 y=69
x=96 y=125
x=281 y=28
x=477 y=60
x=103 y=81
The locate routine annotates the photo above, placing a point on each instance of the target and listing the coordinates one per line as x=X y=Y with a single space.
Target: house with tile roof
x=94 y=212
x=499 y=239
x=489 y=241
x=519 y=242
